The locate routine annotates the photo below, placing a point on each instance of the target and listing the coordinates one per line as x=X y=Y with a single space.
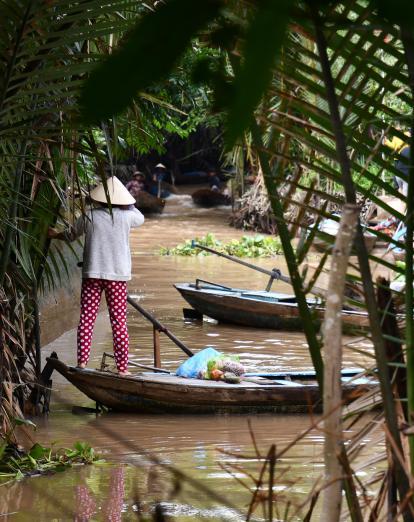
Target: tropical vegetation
x=247 y=246
x=309 y=89
x=38 y=460
x=49 y=157
x=319 y=85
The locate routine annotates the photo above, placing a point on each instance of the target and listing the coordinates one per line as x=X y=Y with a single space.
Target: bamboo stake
x=332 y=329
x=157 y=354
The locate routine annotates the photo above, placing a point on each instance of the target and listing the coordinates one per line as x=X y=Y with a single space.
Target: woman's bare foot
x=82 y=366
x=124 y=374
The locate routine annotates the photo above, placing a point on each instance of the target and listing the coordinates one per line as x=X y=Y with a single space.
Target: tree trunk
x=332 y=330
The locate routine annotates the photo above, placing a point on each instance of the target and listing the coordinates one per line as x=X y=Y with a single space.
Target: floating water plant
x=17 y=463
x=247 y=246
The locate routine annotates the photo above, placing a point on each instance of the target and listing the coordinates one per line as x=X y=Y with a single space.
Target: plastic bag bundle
x=216 y=368
x=210 y=364
x=196 y=365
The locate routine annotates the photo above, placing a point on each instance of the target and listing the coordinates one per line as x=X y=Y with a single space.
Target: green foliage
x=247 y=246
x=148 y=55
x=398 y=11
x=46 y=51
x=39 y=460
x=152 y=49
x=16 y=463
x=264 y=38
x=176 y=105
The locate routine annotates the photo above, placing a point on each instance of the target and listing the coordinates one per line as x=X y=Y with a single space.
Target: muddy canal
x=142 y=451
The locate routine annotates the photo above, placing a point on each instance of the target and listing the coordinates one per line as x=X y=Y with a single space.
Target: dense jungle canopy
x=303 y=92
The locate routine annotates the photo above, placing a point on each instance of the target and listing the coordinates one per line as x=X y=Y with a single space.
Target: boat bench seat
x=266 y=296
x=284 y=382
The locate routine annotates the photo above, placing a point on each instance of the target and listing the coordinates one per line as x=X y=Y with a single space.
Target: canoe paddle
x=274 y=274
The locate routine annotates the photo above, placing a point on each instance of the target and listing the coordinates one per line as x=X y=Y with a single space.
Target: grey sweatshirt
x=106 y=253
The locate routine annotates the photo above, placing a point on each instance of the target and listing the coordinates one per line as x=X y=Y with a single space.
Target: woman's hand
x=54 y=234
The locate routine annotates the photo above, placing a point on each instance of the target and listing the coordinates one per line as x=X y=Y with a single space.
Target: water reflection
x=85 y=504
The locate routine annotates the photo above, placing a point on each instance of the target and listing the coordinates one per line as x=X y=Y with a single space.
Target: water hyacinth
x=247 y=246
x=15 y=463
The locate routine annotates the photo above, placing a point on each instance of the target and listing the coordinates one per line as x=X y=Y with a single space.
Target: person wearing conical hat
x=160 y=174
x=136 y=184
x=106 y=265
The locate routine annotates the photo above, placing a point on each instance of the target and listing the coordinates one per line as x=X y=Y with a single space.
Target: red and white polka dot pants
x=116 y=299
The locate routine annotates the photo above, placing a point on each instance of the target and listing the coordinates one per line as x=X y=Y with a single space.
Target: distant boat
x=149 y=204
x=161 y=189
x=208 y=198
x=163 y=392
x=260 y=309
x=327 y=231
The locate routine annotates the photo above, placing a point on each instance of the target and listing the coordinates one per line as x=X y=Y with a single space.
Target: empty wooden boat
x=165 y=392
x=260 y=309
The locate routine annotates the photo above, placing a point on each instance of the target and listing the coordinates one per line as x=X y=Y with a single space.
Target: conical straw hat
x=160 y=166
x=118 y=194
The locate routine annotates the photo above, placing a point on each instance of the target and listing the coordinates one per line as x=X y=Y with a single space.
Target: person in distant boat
x=402 y=165
x=137 y=184
x=160 y=173
x=401 y=148
x=214 y=181
x=159 y=176
x=106 y=266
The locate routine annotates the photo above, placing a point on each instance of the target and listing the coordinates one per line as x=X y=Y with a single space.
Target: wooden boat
x=322 y=245
x=164 y=392
x=164 y=189
x=327 y=230
x=260 y=309
x=208 y=198
x=149 y=204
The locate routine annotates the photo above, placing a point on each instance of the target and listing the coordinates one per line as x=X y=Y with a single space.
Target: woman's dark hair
x=105 y=205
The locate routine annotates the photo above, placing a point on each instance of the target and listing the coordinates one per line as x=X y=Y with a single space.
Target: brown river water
x=143 y=452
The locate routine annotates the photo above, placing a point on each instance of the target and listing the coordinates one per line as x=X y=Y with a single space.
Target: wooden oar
x=160 y=327
x=274 y=274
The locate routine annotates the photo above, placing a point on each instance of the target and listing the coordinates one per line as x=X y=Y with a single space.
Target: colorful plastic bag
x=196 y=366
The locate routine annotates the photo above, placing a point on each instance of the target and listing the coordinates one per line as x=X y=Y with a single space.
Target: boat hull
x=265 y=311
x=207 y=198
x=322 y=245
x=149 y=204
x=159 y=393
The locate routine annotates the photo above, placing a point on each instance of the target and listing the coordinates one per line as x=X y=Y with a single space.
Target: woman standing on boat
x=106 y=266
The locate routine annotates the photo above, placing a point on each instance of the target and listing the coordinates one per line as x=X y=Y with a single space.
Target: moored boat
x=208 y=198
x=165 y=392
x=260 y=309
x=323 y=244
x=327 y=231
